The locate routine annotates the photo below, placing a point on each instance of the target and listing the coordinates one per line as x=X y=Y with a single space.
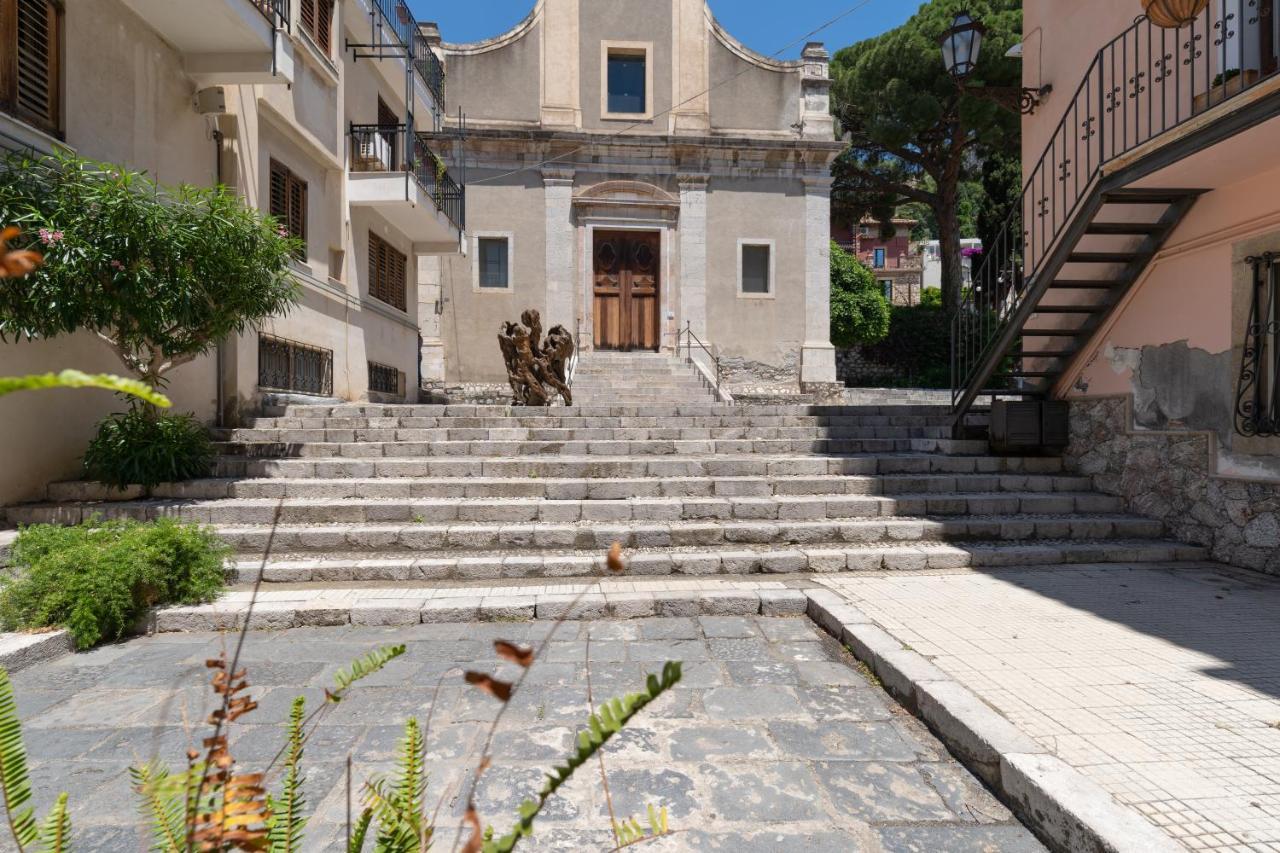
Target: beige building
x=1140 y=280
x=632 y=175
x=323 y=112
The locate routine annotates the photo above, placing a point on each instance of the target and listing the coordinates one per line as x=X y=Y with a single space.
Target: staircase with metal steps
x=337 y=498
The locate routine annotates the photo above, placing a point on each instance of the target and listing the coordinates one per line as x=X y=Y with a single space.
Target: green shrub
x=98 y=578
x=141 y=448
x=918 y=347
x=859 y=311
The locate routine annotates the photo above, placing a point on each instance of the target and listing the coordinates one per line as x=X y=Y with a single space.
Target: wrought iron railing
x=429 y=68
x=1258 y=389
x=1140 y=85
x=385 y=379
x=285 y=365
x=687 y=340
x=400 y=21
x=380 y=147
x=275 y=11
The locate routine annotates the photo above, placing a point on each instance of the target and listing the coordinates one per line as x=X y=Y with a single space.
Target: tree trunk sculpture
x=536 y=369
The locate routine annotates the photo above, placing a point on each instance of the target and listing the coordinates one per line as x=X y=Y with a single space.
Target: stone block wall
x=1169 y=475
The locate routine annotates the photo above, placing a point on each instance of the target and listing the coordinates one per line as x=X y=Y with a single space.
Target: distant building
x=931 y=253
x=896 y=265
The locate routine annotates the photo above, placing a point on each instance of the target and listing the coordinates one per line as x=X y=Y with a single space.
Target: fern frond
x=397 y=804
x=15 y=779
x=631 y=832
x=164 y=804
x=286 y=825
x=55 y=832
x=612 y=717
x=360 y=831
x=362 y=667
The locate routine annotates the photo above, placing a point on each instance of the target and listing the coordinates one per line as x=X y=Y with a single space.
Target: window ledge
x=16 y=134
x=316 y=57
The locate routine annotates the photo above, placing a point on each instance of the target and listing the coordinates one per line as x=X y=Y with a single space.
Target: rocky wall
x=1171 y=476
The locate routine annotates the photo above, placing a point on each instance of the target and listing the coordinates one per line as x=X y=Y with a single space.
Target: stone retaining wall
x=1170 y=476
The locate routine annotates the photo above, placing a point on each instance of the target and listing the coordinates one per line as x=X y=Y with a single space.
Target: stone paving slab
x=772 y=742
x=1160 y=685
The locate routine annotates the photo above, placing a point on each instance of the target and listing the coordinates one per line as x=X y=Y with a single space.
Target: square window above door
x=627 y=80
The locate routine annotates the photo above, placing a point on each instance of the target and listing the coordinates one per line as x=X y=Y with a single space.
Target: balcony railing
x=404 y=27
x=275 y=11
x=429 y=68
x=1141 y=85
x=378 y=148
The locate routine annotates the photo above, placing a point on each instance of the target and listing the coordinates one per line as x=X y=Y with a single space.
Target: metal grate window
x=31 y=62
x=285 y=365
x=387 y=269
x=385 y=379
x=1258 y=389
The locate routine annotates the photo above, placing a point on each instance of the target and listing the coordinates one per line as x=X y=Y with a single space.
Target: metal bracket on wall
x=1258 y=389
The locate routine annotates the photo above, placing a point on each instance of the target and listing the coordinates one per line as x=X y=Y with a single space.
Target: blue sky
x=758 y=23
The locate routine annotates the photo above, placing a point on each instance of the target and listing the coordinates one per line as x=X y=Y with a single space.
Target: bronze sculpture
x=536 y=369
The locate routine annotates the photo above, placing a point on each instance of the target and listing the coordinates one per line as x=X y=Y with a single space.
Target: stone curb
x=1067 y=810
x=19 y=651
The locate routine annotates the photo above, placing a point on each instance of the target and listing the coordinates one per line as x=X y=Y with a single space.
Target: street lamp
x=961 y=45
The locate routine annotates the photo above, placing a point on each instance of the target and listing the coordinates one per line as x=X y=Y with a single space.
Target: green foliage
x=859 y=311
x=165 y=803
x=53 y=834
x=361 y=668
x=160 y=273
x=284 y=829
x=913 y=136
x=139 y=447
x=918 y=345
x=98 y=578
x=931 y=297
x=630 y=831
x=397 y=803
x=77 y=379
x=612 y=717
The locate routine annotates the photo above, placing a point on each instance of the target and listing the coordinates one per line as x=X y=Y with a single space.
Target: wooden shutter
x=288 y=203
x=387 y=269
x=30 y=62
x=317 y=18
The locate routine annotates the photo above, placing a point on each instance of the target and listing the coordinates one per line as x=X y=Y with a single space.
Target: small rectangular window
x=626 y=81
x=755 y=269
x=387 y=269
x=495 y=255
x=886 y=285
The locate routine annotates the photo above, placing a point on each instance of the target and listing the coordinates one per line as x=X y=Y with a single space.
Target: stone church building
x=632 y=175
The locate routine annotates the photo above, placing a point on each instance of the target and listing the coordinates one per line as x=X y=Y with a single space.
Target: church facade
x=632 y=176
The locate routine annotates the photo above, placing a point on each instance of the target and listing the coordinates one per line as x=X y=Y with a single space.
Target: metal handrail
x=408 y=151
x=685 y=337
x=275 y=11
x=404 y=26
x=1142 y=84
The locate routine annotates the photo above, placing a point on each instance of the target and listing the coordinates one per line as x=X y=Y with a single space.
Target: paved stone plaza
x=1161 y=685
x=774 y=740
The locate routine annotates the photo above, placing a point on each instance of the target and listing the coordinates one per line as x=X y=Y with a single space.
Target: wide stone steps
x=731 y=559
x=582 y=488
x=603 y=467
x=506 y=509
x=646 y=447
x=534 y=536
x=551 y=434
x=553 y=421
x=373 y=410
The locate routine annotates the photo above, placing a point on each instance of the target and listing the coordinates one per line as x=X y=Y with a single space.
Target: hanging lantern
x=1173 y=14
x=961 y=45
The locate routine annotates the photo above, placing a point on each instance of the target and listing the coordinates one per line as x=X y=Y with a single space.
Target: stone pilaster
x=818 y=358
x=815 y=93
x=691 y=73
x=561 y=95
x=693 y=253
x=429 y=326
x=561 y=243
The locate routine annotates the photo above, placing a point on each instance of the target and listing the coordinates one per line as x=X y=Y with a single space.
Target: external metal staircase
x=1093 y=212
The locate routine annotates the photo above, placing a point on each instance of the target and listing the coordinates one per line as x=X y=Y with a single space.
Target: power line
x=609 y=137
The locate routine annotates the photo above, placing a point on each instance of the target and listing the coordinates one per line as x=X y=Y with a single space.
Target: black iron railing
x=687 y=340
x=1144 y=83
x=275 y=11
x=429 y=68
x=1258 y=389
x=385 y=379
x=399 y=20
x=380 y=147
x=285 y=365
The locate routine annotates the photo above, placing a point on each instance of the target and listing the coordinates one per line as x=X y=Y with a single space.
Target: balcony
x=387 y=30
x=412 y=190
x=225 y=42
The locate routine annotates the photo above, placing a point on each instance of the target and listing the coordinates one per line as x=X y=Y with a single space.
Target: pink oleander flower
x=283 y=232
x=116 y=265
x=48 y=237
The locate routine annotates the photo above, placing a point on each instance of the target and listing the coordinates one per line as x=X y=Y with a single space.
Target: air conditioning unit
x=1027 y=427
x=375 y=153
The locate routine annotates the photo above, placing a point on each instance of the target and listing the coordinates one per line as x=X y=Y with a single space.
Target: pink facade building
x=893 y=259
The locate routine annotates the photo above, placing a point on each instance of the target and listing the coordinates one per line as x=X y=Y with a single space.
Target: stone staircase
x=340 y=497
x=638 y=379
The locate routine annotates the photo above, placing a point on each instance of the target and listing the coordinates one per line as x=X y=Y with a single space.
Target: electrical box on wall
x=1021 y=427
x=211 y=101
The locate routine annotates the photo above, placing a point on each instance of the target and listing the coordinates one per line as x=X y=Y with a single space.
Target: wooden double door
x=626 y=286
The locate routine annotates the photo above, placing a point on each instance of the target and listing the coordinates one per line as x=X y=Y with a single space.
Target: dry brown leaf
x=516 y=654
x=500 y=690
x=614 y=561
x=19 y=262
x=476 y=842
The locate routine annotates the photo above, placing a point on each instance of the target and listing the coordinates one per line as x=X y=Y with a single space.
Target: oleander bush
x=144 y=448
x=98 y=579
